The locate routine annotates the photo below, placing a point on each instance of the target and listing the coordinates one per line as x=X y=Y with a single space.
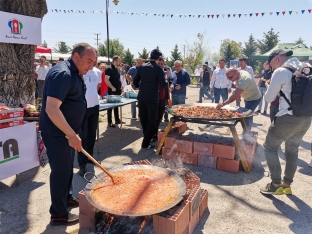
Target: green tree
x=115 y=48
x=175 y=55
x=195 y=52
x=144 y=54
x=231 y=50
x=45 y=44
x=269 y=41
x=249 y=50
x=299 y=40
x=62 y=47
x=215 y=58
x=128 y=58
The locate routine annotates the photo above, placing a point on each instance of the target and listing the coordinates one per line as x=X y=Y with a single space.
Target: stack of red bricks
x=181 y=219
x=220 y=155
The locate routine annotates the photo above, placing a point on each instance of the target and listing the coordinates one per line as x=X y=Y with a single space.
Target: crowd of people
x=70 y=92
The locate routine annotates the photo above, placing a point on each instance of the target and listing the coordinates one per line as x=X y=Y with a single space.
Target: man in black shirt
x=62 y=114
x=205 y=82
x=151 y=77
x=112 y=79
x=265 y=76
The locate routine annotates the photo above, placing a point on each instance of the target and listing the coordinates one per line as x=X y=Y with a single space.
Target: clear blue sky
x=137 y=32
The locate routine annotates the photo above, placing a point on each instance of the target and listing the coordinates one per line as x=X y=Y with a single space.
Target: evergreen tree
x=269 y=41
x=45 y=44
x=175 y=55
x=230 y=50
x=249 y=50
x=62 y=47
x=144 y=54
x=299 y=41
x=128 y=58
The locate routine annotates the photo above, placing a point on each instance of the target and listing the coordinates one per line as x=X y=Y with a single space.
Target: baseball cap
x=279 y=51
x=205 y=65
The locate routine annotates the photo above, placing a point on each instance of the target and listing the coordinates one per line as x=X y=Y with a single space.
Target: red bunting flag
x=83 y=12
x=234 y=15
x=284 y=12
x=212 y=16
x=309 y=11
x=257 y=14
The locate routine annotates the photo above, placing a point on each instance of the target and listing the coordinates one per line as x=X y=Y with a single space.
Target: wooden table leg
x=167 y=130
x=239 y=149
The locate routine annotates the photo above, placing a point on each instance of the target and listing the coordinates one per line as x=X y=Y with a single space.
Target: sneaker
x=271 y=189
x=148 y=147
x=71 y=219
x=82 y=169
x=287 y=190
x=111 y=125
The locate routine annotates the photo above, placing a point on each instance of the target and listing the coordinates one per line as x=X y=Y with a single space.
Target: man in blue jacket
x=180 y=80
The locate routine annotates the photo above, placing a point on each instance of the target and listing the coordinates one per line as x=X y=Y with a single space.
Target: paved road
x=235 y=204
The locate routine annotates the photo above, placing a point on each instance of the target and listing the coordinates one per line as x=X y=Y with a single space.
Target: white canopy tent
x=56 y=56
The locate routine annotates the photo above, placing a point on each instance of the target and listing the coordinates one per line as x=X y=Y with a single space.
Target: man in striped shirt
x=219 y=84
x=41 y=71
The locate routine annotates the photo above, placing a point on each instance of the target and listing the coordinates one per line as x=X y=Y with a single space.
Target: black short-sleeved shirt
x=114 y=78
x=266 y=74
x=64 y=83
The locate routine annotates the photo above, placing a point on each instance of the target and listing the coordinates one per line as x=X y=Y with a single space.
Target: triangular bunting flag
x=250 y=14
x=56 y=10
x=193 y=16
x=60 y=10
x=52 y=10
x=262 y=14
x=302 y=11
x=229 y=15
x=277 y=13
x=190 y=15
x=290 y=12
x=72 y=11
x=208 y=16
x=163 y=15
x=234 y=15
x=68 y=11
x=167 y=15
x=297 y=12
x=154 y=14
x=93 y=12
x=223 y=15
x=198 y=16
x=83 y=12
x=271 y=13
x=283 y=12
x=212 y=16
x=309 y=11
x=171 y=16
x=257 y=14
x=218 y=16
x=79 y=12
x=180 y=16
x=245 y=15
x=239 y=15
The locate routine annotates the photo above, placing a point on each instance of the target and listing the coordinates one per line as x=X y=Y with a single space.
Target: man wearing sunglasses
x=246 y=88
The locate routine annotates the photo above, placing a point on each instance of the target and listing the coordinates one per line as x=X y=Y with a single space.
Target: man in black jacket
x=150 y=76
x=205 y=82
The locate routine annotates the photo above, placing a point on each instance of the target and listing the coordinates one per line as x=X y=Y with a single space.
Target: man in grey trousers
x=285 y=126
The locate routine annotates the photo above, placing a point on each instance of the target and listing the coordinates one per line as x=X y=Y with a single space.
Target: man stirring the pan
x=246 y=88
x=61 y=119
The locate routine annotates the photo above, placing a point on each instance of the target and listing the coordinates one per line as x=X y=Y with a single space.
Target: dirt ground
x=235 y=203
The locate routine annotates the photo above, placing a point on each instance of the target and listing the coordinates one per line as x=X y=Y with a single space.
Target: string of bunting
x=184 y=15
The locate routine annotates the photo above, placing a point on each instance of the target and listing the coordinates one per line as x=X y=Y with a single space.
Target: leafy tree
x=299 y=41
x=144 y=54
x=231 y=50
x=175 y=55
x=249 y=50
x=115 y=48
x=195 y=52
x=128 y=58
x=45 y=44
x=62 y=48
x=17 y=84
x=269 y=41
x=215 y=58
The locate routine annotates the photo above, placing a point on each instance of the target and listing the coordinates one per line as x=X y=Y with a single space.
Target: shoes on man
x=71 y=219
x=271 y=189
x=287 y=190
x=82 y=169
x=258 y=112
x=148 y=147
x=119 y=122
x=72 y=201
x=111 y=125
x=166 y=120
x=264 y=112
x=134 y=118
x=154 y=139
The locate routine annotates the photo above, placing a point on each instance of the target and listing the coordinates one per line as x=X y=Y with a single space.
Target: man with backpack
x=292 y=81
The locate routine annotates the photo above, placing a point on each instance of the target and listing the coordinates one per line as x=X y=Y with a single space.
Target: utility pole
x=97 y=40
x=184 y=52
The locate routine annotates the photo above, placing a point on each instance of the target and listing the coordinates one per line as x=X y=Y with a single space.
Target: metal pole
x=108 y=62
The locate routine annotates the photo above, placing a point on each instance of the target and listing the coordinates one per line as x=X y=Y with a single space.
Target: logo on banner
x=16 y=26
x=10 y=150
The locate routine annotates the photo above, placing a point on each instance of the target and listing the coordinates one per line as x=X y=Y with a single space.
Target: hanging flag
x=284 y=12
x=65 y=11
x=163 y=15
x=250 y=14
x=93 y=12
x=271 y=13
x=223 y=15
x=239 y=15
x=212 y=16
x=198 y=16
x=257 y=14
x=60 y=10
x=171 y=16
x=193 y=16
x=245 y=15
x=180 y=16
x=218 y=16
x=154 y=14
x=309 y=11
x=52 y=10
x=234 y=15
x=190 y=15
x=277 y=13
x=262 y=14
x=68 y=11
x=72 y=11
x=208 y=16
x=290 y=12
x=56 y=10
x=229 y=15
x=297 y=12
x=302 y=11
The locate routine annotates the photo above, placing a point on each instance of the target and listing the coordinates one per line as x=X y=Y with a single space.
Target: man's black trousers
x=61 y=157
x=161 y=110
x=109 y=115
x=148 y=114
x=89 y=133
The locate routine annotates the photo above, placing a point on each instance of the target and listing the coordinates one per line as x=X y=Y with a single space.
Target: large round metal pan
x=245 y=112
x=180 y=184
